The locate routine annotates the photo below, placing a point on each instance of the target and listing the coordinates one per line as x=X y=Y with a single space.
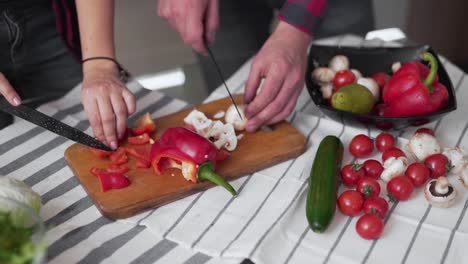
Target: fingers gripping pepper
x=193 y=154
x=415 y=89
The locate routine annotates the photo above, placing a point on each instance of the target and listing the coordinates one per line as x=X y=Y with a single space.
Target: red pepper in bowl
x=186 y=150
x=415 y=90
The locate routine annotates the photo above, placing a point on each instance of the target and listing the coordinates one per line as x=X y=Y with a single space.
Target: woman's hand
x=193 y=19
x=8 y=91
x=281 y=62
x=106 y=100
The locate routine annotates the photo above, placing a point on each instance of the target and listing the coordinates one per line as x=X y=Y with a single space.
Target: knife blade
x=220 y=74
x=51 y=124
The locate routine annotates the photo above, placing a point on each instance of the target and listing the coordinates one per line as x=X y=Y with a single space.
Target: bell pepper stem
x=206 y=172
x=427 y=56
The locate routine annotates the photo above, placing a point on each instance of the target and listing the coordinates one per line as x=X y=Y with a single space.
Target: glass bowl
x=23 y=216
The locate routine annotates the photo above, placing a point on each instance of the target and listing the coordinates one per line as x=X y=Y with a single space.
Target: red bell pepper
x=195 y=155
x=415 y=90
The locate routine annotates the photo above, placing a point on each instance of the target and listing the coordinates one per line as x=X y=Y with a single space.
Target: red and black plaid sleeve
x=303 y=14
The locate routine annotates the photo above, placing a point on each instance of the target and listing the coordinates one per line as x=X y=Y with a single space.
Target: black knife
x=220 y=74
x=51 y=124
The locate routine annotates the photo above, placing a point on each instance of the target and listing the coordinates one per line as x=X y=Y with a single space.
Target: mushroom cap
x=438 y=199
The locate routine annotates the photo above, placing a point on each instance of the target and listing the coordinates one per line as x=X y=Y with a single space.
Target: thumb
x=8 y=91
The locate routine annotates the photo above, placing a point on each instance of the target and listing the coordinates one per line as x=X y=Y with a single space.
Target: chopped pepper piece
x=144 y=124
x=195 y=155
x=113 y=180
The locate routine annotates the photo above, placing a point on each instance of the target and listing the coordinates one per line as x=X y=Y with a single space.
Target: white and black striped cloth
x=265 y=223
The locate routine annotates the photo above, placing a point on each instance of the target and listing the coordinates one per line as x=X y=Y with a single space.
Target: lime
x=353 y=98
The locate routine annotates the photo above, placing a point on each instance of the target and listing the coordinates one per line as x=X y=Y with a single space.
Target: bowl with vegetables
x=389 y=87
x=22 y=232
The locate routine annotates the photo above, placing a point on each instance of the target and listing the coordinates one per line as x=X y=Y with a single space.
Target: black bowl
x=369 y=60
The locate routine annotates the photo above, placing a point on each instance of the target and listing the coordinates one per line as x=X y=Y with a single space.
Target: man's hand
x=195 y=20
x=8 y=91
x=281 y=62
x=106 y=100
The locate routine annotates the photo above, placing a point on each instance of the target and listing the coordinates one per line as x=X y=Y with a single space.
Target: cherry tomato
x=384 y=141
x=400 y=187
x=376 y=205
x=425 y=130
x=350 y=202
x=361 y=146
x=343 y=78
x=368 y=186
x=438 y=165
x=373 y=168
x=351 y=173
x=369 y=226
x=381 y=79
x=393 y=152
x=418 y=173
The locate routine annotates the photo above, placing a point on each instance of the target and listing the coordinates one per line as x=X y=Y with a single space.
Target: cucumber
x=323 y=184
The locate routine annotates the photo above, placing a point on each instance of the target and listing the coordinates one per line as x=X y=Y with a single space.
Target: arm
x=106 y=100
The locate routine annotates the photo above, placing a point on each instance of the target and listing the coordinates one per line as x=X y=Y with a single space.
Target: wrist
x=296 y=36
x=100 y=66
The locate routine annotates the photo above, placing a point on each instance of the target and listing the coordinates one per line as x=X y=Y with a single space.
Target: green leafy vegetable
x=16 y=246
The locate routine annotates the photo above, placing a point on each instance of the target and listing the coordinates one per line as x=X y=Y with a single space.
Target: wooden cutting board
x=255 y=151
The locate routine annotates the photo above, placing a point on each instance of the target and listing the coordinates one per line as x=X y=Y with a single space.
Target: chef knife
x=220 y=74
x=51 y=124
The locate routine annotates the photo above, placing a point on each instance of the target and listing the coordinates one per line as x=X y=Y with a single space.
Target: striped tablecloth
x=265 y=223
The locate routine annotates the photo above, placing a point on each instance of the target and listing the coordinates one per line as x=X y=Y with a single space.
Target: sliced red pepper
x=100 y=153
x=96 y=171
x=144 y=124
x=113 y=180
x=143 y=163
x=181 y=148
x=117 y=169
x=139 y=140
x=139 y=153
x=119 y=157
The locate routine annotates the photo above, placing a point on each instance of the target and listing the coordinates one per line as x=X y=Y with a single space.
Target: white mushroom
x=396 y=66
x=372 y=86
x=323 y=75
x=199 y=121
x=422 y=145
x=227 y=138
x=394 y=167
x=356 y=73
x=232 y=117
x=457 y=157
x=327 y=90
x=440 y=192
x=215 y=132
x=339 y=63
